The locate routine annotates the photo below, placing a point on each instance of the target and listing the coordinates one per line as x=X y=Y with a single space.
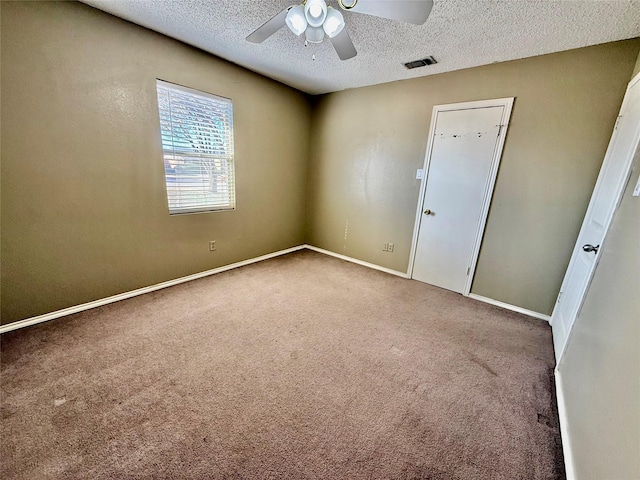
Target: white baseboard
x=140 y=291
x=497 y=303
x=359 y=262
x=564 y=430
x=508 y=306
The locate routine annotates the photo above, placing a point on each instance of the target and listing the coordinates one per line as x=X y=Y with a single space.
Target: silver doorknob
x=427 y=212
x=591 y=248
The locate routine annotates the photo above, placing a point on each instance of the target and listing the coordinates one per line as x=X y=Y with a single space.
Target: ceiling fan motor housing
x=314 y=34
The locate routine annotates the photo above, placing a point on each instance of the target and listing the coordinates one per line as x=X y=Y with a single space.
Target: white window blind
x=197 y=145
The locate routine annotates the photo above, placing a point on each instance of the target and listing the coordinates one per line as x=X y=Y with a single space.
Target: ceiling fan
x=315 y=19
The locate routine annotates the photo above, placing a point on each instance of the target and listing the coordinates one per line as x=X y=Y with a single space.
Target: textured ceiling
x=459 y=34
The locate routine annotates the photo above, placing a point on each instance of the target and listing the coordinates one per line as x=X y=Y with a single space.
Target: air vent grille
x=420 y=63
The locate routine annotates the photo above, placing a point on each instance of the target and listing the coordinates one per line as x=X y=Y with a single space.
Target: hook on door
x=590 y=248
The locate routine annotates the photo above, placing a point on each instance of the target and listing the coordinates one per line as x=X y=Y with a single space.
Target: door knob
x=591 y=248
x=427 y=212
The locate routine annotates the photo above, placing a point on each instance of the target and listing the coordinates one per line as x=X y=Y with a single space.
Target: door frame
x=619 y=190
x=507 y=103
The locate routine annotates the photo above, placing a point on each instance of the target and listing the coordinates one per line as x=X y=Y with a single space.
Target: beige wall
x=600 y=370
x=83 y=203
x=84 y=212
x=367 y=144
x=636 y=69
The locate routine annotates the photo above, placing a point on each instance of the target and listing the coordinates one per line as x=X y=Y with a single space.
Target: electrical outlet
x=385 y=247
x=390 y=247
x=212 y=245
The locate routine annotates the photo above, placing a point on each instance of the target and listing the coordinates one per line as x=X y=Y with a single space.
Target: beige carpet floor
x=300 y=367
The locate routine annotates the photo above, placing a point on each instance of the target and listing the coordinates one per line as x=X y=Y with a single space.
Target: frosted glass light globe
x=334 y=23
x=296 y=20
x=315 y=11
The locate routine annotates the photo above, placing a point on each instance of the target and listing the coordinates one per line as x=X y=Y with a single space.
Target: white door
x=613 y=177
x=466 y=142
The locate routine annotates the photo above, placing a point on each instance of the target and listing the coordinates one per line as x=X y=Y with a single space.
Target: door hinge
x=468 y=270
x=617 y=122
x=559 y=297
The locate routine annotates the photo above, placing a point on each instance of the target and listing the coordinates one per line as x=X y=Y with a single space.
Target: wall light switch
x=419 y=174
x=636 y=191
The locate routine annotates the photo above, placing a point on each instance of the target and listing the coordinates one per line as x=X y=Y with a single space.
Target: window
x=197 y=145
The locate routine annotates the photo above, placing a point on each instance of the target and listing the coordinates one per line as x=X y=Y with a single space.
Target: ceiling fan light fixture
x=314 y=34
x=296 y=20
x=315 y=12
x=334 y=23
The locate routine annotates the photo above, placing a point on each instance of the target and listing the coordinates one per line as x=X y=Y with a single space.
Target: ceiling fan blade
x=343 y=45
x=411 y=11
x=269 y=27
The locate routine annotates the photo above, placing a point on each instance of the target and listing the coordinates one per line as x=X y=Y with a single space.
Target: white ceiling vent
x=420 y=63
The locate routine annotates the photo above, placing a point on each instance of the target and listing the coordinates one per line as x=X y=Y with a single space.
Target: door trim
x=507 y=103
x=620 y=188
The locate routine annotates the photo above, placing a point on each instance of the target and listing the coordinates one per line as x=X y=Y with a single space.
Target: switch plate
x=419 y=174
x=636 y=191
x=212 y=245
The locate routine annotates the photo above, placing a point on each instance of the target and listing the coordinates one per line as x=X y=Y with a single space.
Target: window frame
x=228 y=159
